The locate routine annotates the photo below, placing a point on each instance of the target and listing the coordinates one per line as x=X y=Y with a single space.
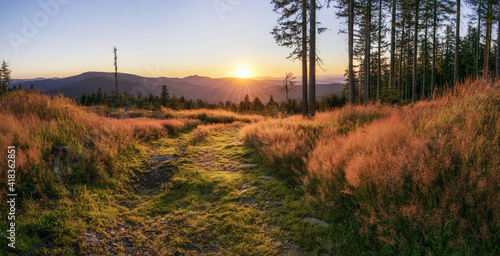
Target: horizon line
x=110 y=72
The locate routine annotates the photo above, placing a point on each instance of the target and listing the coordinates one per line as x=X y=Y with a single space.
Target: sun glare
x=243 y=72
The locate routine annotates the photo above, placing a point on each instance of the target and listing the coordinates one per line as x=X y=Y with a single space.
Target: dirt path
x=206 y=199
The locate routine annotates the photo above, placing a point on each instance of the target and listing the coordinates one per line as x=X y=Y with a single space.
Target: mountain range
x=192 y=87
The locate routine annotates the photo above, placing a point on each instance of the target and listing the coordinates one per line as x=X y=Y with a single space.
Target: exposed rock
x=265 y=177
x=317 y=222
x=249 y=165
x=158 y=160
x=292 y=250
x=91 y=238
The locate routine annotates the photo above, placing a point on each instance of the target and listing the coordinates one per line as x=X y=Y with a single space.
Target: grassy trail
x=206 y=198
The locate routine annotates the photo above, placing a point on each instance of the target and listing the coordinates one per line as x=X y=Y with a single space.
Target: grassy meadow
x=410 y=179
x=417 y=178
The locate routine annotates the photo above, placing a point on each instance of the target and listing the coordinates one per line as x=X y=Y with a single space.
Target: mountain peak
x=196 y=77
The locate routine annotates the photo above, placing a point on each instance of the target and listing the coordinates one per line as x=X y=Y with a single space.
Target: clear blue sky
x=173 y=38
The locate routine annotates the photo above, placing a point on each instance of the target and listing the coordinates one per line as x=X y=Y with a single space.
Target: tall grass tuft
x=202 y=132
x=211 y=116
x=96 y=146
x=423 y=178
x=98 y=156
x=285 y=143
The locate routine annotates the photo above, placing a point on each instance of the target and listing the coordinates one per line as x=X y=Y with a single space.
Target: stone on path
x=90 y=238
x=249 y=165
x=317 y=222
x=161 y=159
x=292 y=251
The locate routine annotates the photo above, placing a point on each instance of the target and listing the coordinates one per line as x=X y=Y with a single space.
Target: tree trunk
x=488 y=40
x=424 y=64
x=304 y=58
x=379 y=69
x=434 y=28
x=406 y=69
x=497 y=71
x=415 y=50
x=312 y=59
x=393 y=43
x=286 y=87
x=351 y=51
x=401 y=57
x=116 y=72
x=457 y=47
x=367 y=52
x=478 y=39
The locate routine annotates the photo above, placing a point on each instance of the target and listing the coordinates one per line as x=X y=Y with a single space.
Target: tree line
x=5 y=77
x=247 y=105
x=155 y=102
x=398 y=50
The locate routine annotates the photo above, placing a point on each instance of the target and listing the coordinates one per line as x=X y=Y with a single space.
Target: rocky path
x=210 y=198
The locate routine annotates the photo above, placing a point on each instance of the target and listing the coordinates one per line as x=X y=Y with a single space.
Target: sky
x=154 y=38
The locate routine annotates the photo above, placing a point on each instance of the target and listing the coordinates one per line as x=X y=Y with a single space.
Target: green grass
x=219 y=196
x=218 y=200
x=404 y=180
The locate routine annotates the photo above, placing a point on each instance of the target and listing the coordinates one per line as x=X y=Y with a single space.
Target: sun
x=243 y=72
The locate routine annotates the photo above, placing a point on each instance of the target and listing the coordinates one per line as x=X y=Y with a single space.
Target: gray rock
x=157 y=160
x=265 y=177
x=91 y=238
x=249 y=165
x=317 y=222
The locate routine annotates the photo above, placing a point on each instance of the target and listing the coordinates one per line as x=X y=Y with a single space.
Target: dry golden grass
x=285 y=143
x=104 y=150
x=34 y=123
x=211 y=116
x=202 y=132
x=428 y=168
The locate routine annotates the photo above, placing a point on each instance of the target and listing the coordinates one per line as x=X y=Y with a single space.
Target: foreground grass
x=210 y=197
x=416 y=179
x=203 y=208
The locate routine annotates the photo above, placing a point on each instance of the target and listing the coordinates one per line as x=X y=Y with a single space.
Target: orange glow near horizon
x=145 y=69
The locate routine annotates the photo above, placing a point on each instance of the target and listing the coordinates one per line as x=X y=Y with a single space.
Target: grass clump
x=202 y=132
x=284 y=144
x=207 y=116
x=97 y=159
x=417 y=179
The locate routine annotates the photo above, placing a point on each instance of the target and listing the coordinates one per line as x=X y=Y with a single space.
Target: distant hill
x=192 y=87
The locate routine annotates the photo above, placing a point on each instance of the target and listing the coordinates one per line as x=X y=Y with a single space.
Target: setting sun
x=243 y=72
